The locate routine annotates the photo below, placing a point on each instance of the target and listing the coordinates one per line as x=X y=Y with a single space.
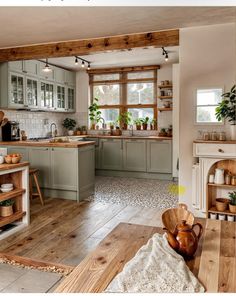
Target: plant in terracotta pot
x=227 y=110
x=94 y=113
x=112 y=125
x=138 y=123
x=153 y=124
x=125 y=119
x=84 y=130
x=69 y=124
x=232 y=204
x=162 y=133
x=145 y=122
x=6 y=208
x=78 y=131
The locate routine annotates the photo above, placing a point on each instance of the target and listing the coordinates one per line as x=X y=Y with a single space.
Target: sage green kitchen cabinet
x=46 y=75
x=31 y=92
x=69 y=78
x=64 y=168
x=22 y=150
x=71 y=99
x=134 y=155
x=47 y=96
x=97 y=158
x=40 y=158
x=61 y=98
x=16 y=90
x=16 y=66
x=59 y=75
x=111 y=154
x=31 y=67
x=159 y=156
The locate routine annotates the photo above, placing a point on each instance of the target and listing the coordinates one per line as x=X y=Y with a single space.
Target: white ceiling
x=134 y=57
x=31 y=25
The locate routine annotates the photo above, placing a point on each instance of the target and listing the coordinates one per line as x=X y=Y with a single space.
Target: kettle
x=184 y=239
x=219 y=176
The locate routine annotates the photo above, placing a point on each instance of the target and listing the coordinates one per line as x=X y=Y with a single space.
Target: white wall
x=207 y=59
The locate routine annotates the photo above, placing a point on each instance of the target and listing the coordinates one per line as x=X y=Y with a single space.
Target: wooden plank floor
x=65 y=231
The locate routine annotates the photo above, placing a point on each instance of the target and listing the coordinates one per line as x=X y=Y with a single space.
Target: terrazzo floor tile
x=135 y=192
x=31 y=281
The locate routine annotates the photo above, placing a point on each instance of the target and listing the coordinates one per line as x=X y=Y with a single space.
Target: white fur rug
x=156 y=268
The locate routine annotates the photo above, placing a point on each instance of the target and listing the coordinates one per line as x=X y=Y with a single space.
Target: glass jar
x=213 y=136
x=233 y=180
x=222 y=136
x=205 y=136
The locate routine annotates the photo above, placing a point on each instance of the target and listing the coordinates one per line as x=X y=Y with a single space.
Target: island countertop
x=72 y=144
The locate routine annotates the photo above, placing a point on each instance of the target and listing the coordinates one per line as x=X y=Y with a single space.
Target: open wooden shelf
x=165 y=86
x=164 y=109
x=226 y=212
x=14 y=193
x=222 y=185
x=7 y=220
x=165 y=97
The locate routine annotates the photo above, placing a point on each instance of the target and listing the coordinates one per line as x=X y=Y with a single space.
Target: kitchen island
x=66 y=169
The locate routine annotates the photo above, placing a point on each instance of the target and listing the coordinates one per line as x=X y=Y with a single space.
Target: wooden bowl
x=16 y=159
x=172 y=217
x=222 y=204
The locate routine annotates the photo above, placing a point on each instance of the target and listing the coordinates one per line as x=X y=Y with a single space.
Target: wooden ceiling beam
x=90 y=46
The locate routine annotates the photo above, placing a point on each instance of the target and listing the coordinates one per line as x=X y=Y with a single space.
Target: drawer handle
x=220 y=150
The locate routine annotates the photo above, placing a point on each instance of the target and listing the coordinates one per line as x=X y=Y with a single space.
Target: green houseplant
x=69 y=124
x=6 y=208
x=125 y=119
x=145 y=122
x=232 y=205
x=138 y=123
x=227 y=110
x=94 y=113
x=153 y=124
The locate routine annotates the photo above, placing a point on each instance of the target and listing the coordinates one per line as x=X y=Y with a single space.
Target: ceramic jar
x=230 y=218
x=213 y=216
x=219 y=177
x=1 y=159
x=221 y=217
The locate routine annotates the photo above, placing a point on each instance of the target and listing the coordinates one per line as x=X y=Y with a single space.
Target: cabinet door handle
x=221 y=150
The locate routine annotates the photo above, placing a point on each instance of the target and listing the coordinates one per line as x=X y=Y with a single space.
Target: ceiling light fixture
x=84 y=62
x=165 y=53
x=47 y=67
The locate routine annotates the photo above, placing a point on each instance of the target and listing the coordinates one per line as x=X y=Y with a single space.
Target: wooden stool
x=33 y=173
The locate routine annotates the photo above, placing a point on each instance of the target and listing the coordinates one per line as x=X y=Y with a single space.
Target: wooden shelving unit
x=222 y=185
x=164 y=109
x=14 y=193
x=214 y=210
x=10 y=219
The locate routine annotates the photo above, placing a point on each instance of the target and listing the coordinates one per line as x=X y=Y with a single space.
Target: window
x=125 y=89
x=207 y=101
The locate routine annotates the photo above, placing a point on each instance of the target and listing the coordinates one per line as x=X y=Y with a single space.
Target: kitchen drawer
x=212 y=150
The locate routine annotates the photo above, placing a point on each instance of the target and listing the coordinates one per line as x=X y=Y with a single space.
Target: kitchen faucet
x=132 y=129
x=53 y=133
x=103 y=125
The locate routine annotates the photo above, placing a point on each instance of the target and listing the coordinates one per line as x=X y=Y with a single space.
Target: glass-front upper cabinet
x=16 y=93
x=47 y=98
x=71 y=99
x=31 y=92
x=61 y=99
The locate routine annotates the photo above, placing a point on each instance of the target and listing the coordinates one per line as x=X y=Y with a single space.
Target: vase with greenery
x=145 y=122
x=138 y=123
x=125 y=119
x=153 y=124
x=227 y=110
x=94 y=113
x=232 y=204
x=69 y=124
x=6 y=208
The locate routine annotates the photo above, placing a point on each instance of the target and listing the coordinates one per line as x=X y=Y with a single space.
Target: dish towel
x=156 y=268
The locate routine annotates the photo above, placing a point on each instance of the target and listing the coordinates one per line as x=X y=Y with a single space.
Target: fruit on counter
x=12 y=158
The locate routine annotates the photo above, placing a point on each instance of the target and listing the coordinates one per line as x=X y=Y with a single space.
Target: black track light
x=76 y=61
x=82 y=64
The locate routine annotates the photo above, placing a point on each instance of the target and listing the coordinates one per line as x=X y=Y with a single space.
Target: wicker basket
x=222 y=204
x=232 y=208
x=6 y=211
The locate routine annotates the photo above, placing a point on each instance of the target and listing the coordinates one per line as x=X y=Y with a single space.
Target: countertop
x=129 y=137
x=73 y=144
x=215 y=142
x=5 y=166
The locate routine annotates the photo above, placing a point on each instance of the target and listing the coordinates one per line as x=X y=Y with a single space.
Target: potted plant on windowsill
x=145 y=122
x=94 y=113
x=69 y=124
x=153 y=124
x=138 y=123
x=125 y=119
x=232 y=204
x=227 y=110
x=6 y=208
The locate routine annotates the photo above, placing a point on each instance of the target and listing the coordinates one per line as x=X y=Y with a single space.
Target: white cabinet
x=69 y=78
x=60 y=75
x=214 y=150
x=16 y=66
x=31 y=67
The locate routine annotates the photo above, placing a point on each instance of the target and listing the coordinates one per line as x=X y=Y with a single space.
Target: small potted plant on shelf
x=84 y=130
x=6 y=208
x=125 y=119
x=69 y=124
x=112 y=125
x=138 y=123
x=78 y=131
x=153 y=124
x=169 y=131
x=226 y=110
x=232 y=204
x=94 y=113
x=145 y=122
x=162 y=133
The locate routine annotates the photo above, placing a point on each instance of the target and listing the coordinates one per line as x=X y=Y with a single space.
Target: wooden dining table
x=214 y=263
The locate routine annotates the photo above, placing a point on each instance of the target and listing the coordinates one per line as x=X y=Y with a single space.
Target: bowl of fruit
x=12 y=158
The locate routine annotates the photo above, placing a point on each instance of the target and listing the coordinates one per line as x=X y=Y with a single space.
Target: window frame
x=124 y=81
x=219 y=123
